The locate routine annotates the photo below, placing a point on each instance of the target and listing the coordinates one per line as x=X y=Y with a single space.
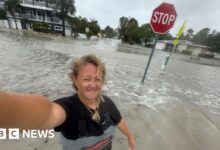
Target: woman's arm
x=124 y=129
x=27 y=111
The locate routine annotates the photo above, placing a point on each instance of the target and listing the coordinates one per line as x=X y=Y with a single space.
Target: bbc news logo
x=14 y=133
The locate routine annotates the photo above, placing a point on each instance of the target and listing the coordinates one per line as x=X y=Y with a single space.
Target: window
x=58 y=28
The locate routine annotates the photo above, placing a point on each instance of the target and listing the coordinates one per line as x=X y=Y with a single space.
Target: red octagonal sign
x=163 y=18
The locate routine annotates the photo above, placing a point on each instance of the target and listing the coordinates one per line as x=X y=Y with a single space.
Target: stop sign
x=163 y=18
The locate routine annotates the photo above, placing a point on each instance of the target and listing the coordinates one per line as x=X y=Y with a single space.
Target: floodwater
x=38 y=63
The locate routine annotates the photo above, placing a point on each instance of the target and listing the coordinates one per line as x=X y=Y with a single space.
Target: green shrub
x=186 y=52
x=131 y=42
x=25 y=21
x=206 y=55
x=89 y=34
x=42 y=27
x=3 y=14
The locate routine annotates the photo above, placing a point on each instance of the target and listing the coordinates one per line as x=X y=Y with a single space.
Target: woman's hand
x=124 y=129
x=131 y=143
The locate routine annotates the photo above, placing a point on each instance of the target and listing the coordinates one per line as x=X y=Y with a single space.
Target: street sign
x=175 y=42
x=180 y=32
x=163 y=18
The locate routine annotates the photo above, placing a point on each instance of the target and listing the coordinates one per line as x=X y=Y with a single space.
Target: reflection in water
x=38 y=63
x=135 y=49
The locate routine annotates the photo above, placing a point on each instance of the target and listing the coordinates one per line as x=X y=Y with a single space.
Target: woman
x=86 y=120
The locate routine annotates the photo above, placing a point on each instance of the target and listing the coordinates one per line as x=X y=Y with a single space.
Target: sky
x=198 y=14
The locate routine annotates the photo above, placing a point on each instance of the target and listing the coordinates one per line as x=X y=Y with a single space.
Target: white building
x=37 y=11
x=2 y=4
x=167 y=45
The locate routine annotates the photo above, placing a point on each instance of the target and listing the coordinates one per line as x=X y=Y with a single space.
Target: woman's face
x=88 y=82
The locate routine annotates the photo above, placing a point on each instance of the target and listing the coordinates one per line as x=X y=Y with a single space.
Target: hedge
x=206 y=55
x=186 y=52
x=42 y=27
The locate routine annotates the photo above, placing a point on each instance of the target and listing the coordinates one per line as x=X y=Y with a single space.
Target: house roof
x=36 y=7
x=183 y=42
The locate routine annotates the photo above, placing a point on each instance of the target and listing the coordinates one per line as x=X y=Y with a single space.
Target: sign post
x=151 y=55
x=163 y=19
x=175 y=42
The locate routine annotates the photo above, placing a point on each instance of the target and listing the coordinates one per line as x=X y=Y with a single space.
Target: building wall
x=38 y=3
x=41 y=3
x=3 y=24
x=160 y=46
x=43 y=13
x=67 y=31
x=1 y=4
x=217 y=55
x=12 y=23
x=181 y=47
x=195 y=50
x=27 y=2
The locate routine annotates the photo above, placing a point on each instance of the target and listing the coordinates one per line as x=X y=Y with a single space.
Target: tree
x=201 y=36
x=79 y=25
x=65 y=7
x=128 y=30
x=94 y=27
x=11 y=6
x=109 y=32
x=213 y=41
x=123 y=22
x=146 y=33
x=75 y=23
x=132 y=31
x=3 y=14
x=189 y=35
x=166 y=36
x=84 y=23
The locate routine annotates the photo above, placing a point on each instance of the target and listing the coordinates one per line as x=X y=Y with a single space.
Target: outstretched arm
x=122 y=126
x=28 y=111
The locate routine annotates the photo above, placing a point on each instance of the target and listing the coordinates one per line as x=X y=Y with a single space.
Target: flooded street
x=176 y=108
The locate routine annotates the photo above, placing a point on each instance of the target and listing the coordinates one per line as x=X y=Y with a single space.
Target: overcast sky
x=198 y=13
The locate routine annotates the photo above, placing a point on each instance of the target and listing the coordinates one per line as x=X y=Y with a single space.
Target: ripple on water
x=39 y=64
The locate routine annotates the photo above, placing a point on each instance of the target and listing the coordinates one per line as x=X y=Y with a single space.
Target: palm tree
x=190 y=33
x=3 y=14
x=65 y=7
x=123 y=23
x=11 y=6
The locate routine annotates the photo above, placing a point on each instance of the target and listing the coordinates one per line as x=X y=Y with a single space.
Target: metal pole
x=174 y=49
x=149 y=60
x=167 y=58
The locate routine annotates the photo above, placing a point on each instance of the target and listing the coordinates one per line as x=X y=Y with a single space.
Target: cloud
x=199 y=14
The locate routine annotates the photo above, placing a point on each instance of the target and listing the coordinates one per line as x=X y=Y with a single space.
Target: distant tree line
x=131 y=32
x=128 y=31
x=204 y=37
x=80 y=24
x=3 y=14
x=65 y=8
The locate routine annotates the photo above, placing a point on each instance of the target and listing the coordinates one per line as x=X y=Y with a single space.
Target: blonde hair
x=101 y=71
